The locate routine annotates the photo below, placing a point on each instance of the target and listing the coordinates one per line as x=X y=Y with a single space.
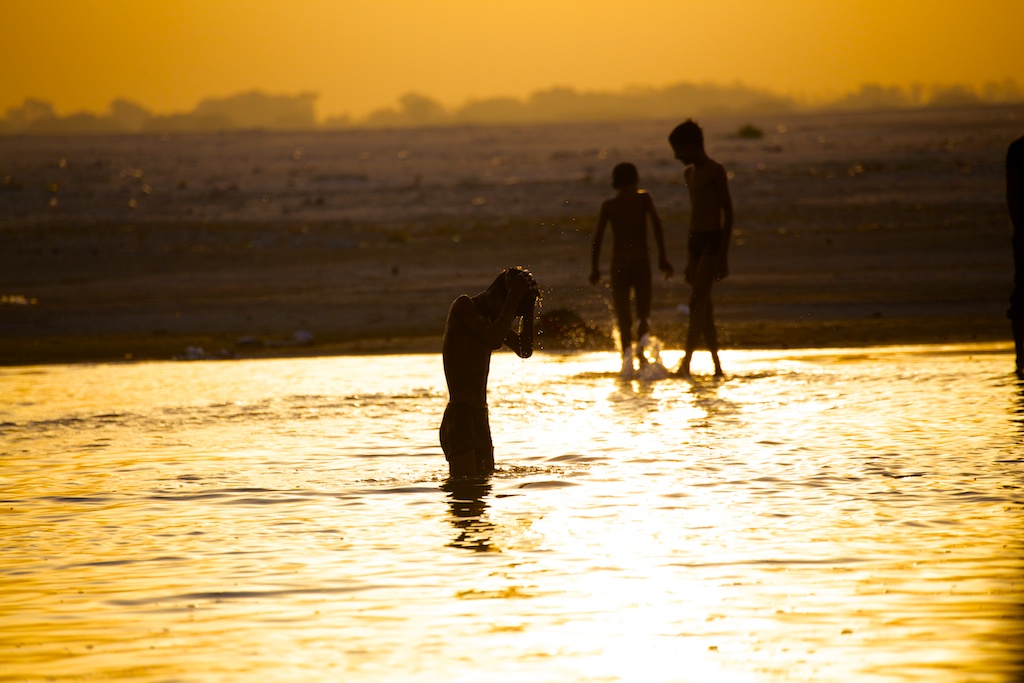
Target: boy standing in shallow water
x=476 y=326
x=708 y=243
x=628 y=212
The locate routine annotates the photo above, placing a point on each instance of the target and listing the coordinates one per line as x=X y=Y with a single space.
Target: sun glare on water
x=815 y=515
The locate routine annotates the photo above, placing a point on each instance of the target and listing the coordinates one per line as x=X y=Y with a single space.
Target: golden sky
x=360 y=55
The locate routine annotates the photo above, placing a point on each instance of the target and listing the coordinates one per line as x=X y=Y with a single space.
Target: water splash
x=651 y=367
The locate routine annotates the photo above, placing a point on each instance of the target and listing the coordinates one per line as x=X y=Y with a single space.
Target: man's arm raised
x=492 y=334
x=522 y=342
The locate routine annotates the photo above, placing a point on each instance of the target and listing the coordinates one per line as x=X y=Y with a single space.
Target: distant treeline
x=256 y=110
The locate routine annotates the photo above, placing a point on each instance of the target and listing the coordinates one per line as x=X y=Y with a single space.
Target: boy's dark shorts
x=704 y=242
x=466 y=437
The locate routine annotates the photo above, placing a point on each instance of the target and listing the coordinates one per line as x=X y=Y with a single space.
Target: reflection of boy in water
x=628 y=212
x=708 y=244
x=476 y=326
x=1015 y=202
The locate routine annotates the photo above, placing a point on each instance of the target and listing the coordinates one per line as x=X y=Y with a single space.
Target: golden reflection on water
x=818 y=515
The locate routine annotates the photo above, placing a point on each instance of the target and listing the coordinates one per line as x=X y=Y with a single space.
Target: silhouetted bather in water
x=1015 y=202
x=476 y=326
x=708 y=243
x=628 y=212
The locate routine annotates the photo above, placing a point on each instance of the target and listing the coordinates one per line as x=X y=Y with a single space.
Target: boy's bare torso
x=628 y=217
x=706 y=204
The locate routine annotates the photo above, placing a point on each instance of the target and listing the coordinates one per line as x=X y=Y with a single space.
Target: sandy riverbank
x=851 y=231
x=86 y=298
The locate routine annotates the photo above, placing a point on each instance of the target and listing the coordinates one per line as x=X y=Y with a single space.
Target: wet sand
x=905 y=243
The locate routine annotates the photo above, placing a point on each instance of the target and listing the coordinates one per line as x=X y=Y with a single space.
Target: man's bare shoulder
x=462 y=305
x=463 y=319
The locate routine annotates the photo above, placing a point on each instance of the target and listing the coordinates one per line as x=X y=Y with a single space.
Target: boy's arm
x=722 y=183
x=522 y=343
x=595 y=247
x=491 y=333
x=659 y=238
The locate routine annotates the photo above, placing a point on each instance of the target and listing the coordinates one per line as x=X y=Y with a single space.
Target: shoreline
x=750 y=335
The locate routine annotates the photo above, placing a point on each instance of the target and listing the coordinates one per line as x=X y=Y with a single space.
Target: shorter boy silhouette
x=476 y=326
x=708 y=243
x=628 y=212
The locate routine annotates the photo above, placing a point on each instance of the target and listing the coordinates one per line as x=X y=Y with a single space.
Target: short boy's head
x=687 y=140
x=498 y=292
x=624 y=175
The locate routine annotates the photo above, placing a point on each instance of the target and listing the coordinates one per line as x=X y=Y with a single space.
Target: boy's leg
x=711 y=334
x=693 y=331
x=620 y=299
x=700 y=312
x=694 y=327
x=643 y=310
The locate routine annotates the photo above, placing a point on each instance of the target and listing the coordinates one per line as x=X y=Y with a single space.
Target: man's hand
x=520 y=283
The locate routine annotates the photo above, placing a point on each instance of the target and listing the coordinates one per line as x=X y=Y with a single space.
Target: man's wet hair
x=500 y=286
x=623 y=175
x=686 y=133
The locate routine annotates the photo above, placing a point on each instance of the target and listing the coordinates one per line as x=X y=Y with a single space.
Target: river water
x=823 y=515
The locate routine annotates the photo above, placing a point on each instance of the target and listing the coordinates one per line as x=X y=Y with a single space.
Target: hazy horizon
x=360 y=58
x=255 y=109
